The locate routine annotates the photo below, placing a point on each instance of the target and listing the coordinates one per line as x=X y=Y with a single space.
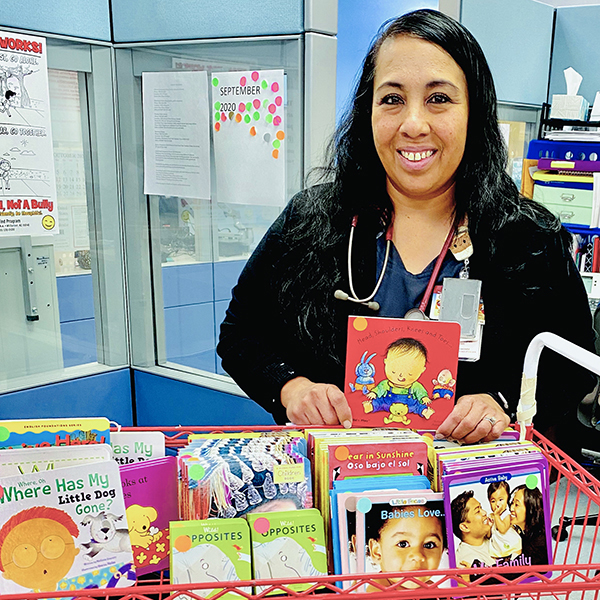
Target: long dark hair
x=534 y=510
x=357 y=182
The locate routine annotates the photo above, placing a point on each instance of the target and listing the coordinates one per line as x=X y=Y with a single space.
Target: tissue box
x=569 y=107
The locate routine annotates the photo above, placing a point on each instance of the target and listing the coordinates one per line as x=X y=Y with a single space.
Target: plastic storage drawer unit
x=570 y=205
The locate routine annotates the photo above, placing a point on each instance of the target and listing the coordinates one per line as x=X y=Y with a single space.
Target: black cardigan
x=529 y=285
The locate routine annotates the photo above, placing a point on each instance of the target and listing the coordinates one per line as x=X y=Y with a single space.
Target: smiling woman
x=416 y=168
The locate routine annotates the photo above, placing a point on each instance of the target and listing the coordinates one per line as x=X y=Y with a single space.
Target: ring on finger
x=491 y=419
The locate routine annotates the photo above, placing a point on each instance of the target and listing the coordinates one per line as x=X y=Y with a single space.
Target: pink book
x=150 y=492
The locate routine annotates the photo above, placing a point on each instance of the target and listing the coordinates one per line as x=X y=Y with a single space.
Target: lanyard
x=419 y=313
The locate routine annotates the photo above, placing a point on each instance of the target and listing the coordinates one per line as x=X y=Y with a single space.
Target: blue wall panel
x=79 y=342
x=357 y=26
x=75 y=297
x=187 y=284
x=226 y=276
x=103 y=395
x=190 y=335
x=143 y=20
x=163 y=401
x=80 y=18
x=516 y=37
x=576 y=45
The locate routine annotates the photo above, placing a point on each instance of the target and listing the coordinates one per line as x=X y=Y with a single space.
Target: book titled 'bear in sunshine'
x=401 y=372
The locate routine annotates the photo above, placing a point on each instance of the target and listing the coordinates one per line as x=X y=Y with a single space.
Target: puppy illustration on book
x=405 y=362
x=139 y=519
x=105 y=534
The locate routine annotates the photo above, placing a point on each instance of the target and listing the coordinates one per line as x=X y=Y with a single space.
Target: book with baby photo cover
x=397 y=532
x=499 y=516
x=401 y=372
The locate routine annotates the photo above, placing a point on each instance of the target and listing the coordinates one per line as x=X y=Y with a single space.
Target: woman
x=418 y=153
x=527 y=518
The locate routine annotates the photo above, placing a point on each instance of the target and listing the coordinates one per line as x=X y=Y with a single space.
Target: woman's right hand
x=309 y=403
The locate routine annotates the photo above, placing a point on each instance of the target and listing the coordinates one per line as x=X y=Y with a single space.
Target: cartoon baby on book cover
x=401 y=373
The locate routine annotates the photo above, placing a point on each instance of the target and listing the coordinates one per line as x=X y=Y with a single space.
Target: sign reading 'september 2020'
x=27 y=181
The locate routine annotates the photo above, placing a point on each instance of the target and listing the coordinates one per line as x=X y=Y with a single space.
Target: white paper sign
x=27 y=182
x=249 y=137
x=134 y=446
x=176 y=134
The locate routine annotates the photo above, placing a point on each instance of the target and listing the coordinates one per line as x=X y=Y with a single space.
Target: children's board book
x=150 y=492
x=400 y=372
x=288 y=545
x=64 y=530
x=394 y=531
x=210 y=550
x=28 y=433
x=34 y=460
x=499 y=517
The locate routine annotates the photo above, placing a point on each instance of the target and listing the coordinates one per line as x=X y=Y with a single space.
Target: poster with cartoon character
x=27 y=180
x=401 y=373
x=64 y=529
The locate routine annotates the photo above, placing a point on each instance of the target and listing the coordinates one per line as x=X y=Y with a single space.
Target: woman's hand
x=475 y=418
x=309 y=403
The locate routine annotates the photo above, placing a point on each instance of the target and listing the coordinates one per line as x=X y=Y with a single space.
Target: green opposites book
x=288 y=545
x=211 y=550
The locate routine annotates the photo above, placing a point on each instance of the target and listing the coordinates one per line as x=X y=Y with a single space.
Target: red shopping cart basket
x=575 y=509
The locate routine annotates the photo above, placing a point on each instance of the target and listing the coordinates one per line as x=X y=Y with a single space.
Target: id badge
x=470 y=348
x=460 y=303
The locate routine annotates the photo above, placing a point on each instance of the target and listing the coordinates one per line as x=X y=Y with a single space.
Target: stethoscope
x=413 y=313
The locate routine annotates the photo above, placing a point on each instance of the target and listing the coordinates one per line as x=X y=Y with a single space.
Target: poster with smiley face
x=249 y=136
x=27 y=177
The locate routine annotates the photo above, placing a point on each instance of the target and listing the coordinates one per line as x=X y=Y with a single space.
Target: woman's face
x=419 y=118
x=409 y=544
x=518 y=512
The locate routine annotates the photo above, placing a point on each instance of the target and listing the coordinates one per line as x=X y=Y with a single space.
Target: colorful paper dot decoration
x=265 y=103
x=269 y=118
x=364 y=505
x=256 y=116
x=274 y=87
x=341 y=453
x=272 y=108
x=217 y=116
x=360 y=323
x=215 y=81
x=217 y=126
x=280 y=135
x=267 y=137
x=231 y=115
x=223 y=117
x=531 y=482
x=278 y=100
x=242 y=107
x=196 y=472
x=275 y=153
x=248 y=105
x=252 y=131
x=242 y=81
x=277 y=121
x=276 y=143
x=256 y=103
x=217 y=106
x=255 y=75
x=262 y=525
x=238 y=118
x=4 y=434
x=183 y=543
x=247 y=119
x=264 y=85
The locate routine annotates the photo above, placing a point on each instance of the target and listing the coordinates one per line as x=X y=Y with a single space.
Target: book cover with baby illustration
x=64 y=529
x=210 y=550
x=288 y=545
x=400 y=372
x=150 y=492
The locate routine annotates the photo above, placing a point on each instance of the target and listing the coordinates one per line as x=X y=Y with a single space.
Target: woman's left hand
x=475 y=418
